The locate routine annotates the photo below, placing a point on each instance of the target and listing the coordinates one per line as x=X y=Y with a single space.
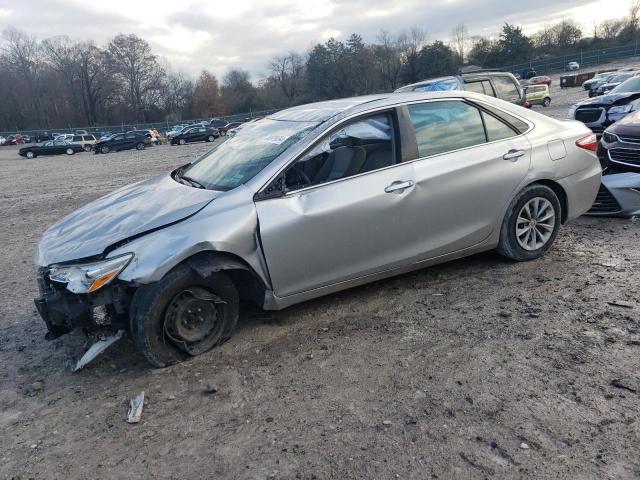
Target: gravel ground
x=477 y=368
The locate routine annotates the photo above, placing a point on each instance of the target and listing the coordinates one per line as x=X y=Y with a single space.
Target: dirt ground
x=477 y=368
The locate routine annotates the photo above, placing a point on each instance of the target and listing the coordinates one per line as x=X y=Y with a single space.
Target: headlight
x=89 y=277
x=621 y=109
x=572 y=111
x=609 y=137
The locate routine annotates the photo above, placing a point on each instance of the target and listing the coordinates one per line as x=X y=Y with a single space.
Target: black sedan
x=120 y=141
x=51 y=147
x=195 y=134
x=599 y=112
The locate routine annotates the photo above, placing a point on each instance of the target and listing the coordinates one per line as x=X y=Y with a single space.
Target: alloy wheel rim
x=535 y=224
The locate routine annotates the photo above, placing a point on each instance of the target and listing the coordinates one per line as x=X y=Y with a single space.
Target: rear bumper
x=581 y=189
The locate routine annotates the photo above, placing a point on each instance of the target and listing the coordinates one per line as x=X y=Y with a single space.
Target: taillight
x=527 y=104
x=588 y=142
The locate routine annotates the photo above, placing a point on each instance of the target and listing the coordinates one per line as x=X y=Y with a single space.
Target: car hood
x=609 y=99
x=130 y=211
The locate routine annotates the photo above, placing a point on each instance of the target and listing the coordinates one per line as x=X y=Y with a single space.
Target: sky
x=217 y=35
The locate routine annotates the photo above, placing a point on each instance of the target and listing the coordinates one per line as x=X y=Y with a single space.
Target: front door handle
x=398 y=186
x=513 y=155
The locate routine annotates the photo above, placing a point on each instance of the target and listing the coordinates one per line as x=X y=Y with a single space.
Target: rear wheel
x=210 y=138
x=182 y=141
x=140 y=146
x=183 y=315
x=105 y=149
x=531 y=224
x=87 y=148
x=546 y=102
x=70 y=151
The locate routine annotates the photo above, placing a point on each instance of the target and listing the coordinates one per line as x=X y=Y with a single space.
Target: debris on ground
x=620 y=303
x=210 y=389
x=135 y=408
x=97 y=348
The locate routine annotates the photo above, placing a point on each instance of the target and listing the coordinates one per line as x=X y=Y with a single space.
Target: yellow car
x=539 y=95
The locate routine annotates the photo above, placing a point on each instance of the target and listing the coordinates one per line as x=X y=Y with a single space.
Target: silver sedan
x=312 y=200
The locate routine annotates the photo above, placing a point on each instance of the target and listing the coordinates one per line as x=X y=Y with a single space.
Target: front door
x=344 y=214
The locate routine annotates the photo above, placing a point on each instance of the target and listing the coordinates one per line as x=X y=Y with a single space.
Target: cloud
x=199 y=34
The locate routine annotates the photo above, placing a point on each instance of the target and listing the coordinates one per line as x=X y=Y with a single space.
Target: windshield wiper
x=192 y=181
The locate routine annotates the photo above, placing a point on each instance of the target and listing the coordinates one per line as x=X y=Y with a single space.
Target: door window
x=507 y=89
x=362 y=146
x=444 y=126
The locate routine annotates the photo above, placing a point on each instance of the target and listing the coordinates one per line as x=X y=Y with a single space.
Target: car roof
x=322 y=111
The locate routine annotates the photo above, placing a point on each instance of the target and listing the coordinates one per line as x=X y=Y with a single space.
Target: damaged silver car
x=309 y=201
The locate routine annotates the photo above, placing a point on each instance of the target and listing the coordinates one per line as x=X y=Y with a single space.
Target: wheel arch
x=560 y=193
x=250 y=286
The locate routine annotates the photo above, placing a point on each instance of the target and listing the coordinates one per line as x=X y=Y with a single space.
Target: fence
x=125 y=127
x=586 y=59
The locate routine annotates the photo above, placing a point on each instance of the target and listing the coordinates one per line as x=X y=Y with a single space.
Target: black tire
x=150 y=305
x=210 y=138
x=105 y=149
x=509 y=246
x=182 y=141
x=140 y=146
x=87 y=148
x=70 y=151
x=546 y=102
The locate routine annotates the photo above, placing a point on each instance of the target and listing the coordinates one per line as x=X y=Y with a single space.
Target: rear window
x=507 y=89
x=482 y=86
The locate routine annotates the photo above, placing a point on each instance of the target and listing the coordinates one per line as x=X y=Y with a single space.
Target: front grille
x=605 y=202
x=588 y=115
x=629 y=138
x=625 y=155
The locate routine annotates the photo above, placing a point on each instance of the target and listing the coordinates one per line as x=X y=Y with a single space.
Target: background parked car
x=571 y=66
x=597 y=79
x=612 y=83
x=175 y=130
x=528 y=73
x=540 y=80
x=121 y=141
x=52 y=147
x=619 y=153
x=43 y=137
x=195 y=134
x=217 y=123
x=229 y=126
x=85 y=141
x=498 y=84
x=599 y=112
x=539 y=95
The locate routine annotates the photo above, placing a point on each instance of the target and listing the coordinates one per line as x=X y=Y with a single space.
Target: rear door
x=470 y=164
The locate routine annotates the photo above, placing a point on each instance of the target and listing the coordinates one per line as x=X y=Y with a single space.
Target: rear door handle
x=398 y=186
x=513 y=155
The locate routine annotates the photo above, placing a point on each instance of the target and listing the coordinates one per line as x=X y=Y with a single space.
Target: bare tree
x=388 y=57
x=133 y=61
x=288 y=73
x=460 y=40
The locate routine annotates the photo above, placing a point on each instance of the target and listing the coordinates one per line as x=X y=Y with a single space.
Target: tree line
x=59 y=82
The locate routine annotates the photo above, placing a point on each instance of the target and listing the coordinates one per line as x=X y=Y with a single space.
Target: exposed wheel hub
x=192 y=316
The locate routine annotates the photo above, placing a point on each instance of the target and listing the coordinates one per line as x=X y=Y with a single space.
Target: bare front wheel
x=183 y=315
x=530 y=224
